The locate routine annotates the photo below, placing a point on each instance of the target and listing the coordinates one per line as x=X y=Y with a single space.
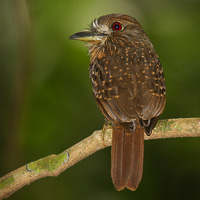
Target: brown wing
x=130 y=86
x=151 y=89
x=114 y=89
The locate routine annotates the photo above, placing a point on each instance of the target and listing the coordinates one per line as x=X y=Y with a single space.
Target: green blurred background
x=46 y=101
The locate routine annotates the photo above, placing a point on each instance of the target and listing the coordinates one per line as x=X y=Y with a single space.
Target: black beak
x=88 y=35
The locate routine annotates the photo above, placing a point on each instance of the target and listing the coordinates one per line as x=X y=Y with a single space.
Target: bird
x=128 y=85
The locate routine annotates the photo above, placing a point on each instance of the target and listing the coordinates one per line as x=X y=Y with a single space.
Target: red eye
x=116 y=26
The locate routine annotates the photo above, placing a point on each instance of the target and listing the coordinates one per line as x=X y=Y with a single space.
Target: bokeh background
x=46 y=102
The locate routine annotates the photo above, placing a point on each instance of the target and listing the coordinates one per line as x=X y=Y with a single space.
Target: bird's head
x=109 y=32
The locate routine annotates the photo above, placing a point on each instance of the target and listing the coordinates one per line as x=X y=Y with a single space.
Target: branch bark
x=53 y=165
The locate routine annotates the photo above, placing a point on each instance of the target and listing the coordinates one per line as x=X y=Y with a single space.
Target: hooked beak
x=87 y=36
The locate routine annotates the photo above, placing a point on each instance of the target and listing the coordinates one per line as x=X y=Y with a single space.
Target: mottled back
x=127 y=78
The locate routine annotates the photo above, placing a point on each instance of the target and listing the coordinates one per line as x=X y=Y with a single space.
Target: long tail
x=127 y=157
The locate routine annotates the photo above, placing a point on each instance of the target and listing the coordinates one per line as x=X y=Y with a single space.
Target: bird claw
x=107 y=125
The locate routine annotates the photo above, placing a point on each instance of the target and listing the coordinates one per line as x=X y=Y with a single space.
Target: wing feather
x=129 y=87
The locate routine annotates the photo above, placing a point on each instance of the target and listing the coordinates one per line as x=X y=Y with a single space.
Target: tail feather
x=117 y=157
x=127 y=157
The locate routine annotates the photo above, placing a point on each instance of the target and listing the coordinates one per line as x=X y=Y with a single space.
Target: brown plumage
x=129 y=87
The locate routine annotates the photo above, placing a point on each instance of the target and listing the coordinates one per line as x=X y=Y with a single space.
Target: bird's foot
x=107 y=125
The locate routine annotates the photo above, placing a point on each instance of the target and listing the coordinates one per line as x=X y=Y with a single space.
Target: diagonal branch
x=53 y=165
